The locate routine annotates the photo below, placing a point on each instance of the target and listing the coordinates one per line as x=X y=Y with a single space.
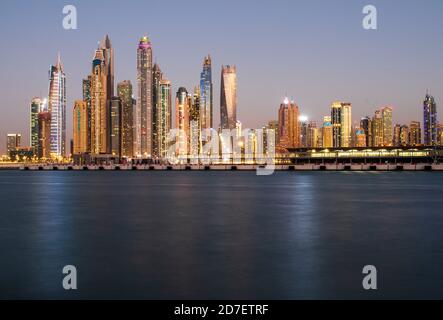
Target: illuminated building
x=157 y=76
x=360 y=138
x=312 y=135
x=57 y=108
x=44 y=135
x=195 y=128
x=288 y=125
x=440 y=134
x=346 y=125
x=124 y=91
x=116 y=126
x=404 y=136
x=336 y=118
x=182 y=113
x=13 y=142
x=377 y=129
x=99 y=109
x=415 y=134
x=143 y=126
x=36 y=108
x=80 y=127
x=86 y=90
x=386 y=114
x=366 y=125
x=228 y=97
x=164 y=116
x=206 y=95
x=327 y=133
x=273 y=125
x=430 y=121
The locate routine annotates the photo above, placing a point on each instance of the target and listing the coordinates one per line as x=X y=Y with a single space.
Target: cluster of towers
x=338 y=130
x=121 y=126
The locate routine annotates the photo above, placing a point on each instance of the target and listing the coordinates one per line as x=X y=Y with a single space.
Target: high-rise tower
x=206 y=94
x=57 y=108
x=144 y=114
x=430 y=121
x=228 y=97
x=124 y=90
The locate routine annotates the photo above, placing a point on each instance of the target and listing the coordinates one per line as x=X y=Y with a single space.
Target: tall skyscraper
x=86 y=88
x=206 y=95
x=116 y=126
x=44 y=135
x=228 y=97
x=80 y=127
x=430 y=121
x=327 y=133
x=144 y=114
x=36 y=108
x=195 y=124
x=182 y=113
x=396 y=136
x=312 y=135
x=288 y=125
x=366 y=125
x=13 y=142
x=164 y=116
x=377 y=129
x=404 y=136
x=124 y=90
x=157 y=76
x=346 y=125
x=100 y=132
x=415 y=134
x=57 y=108
x=336 y=121
x=386 y=114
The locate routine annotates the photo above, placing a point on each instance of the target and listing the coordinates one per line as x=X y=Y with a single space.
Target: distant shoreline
x=232 y=167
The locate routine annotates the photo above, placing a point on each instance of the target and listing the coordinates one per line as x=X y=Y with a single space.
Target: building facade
x=430 y=121
x=124 y=91
x=80 y=127
x=206 y=95
x=228 y=97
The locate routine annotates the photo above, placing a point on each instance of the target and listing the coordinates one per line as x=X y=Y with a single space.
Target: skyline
x=182 y=67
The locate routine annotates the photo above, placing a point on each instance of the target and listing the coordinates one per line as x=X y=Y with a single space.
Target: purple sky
x=315 y=51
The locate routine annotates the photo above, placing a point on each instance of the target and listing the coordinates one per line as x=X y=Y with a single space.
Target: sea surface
x=221 y=235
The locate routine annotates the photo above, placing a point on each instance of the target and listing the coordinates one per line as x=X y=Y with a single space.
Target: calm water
x=225 y=235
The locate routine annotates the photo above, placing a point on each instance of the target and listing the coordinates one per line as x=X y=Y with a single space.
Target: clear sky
x=316 y=51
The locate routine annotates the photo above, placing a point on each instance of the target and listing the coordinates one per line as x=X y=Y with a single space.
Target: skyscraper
x=143 y=138
x=13 y=142
x=80 y=127
x=182 y=113
x=99 y=109
x=206 y=95
x=366 y=125
x=228 y=97
x=377 y=129
x=415 y=133
x=327 y=133
x=336 y=119
x=195 y=124
x=346 y=125
x=44 y=135
x=86 y=88
x=36 y=108
x=157 y=76
x=386 y=114
x=430 y=121
x=116 y=126
x=164 y=116
x=57 y=108
x=124 y=90
x=288 y=125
